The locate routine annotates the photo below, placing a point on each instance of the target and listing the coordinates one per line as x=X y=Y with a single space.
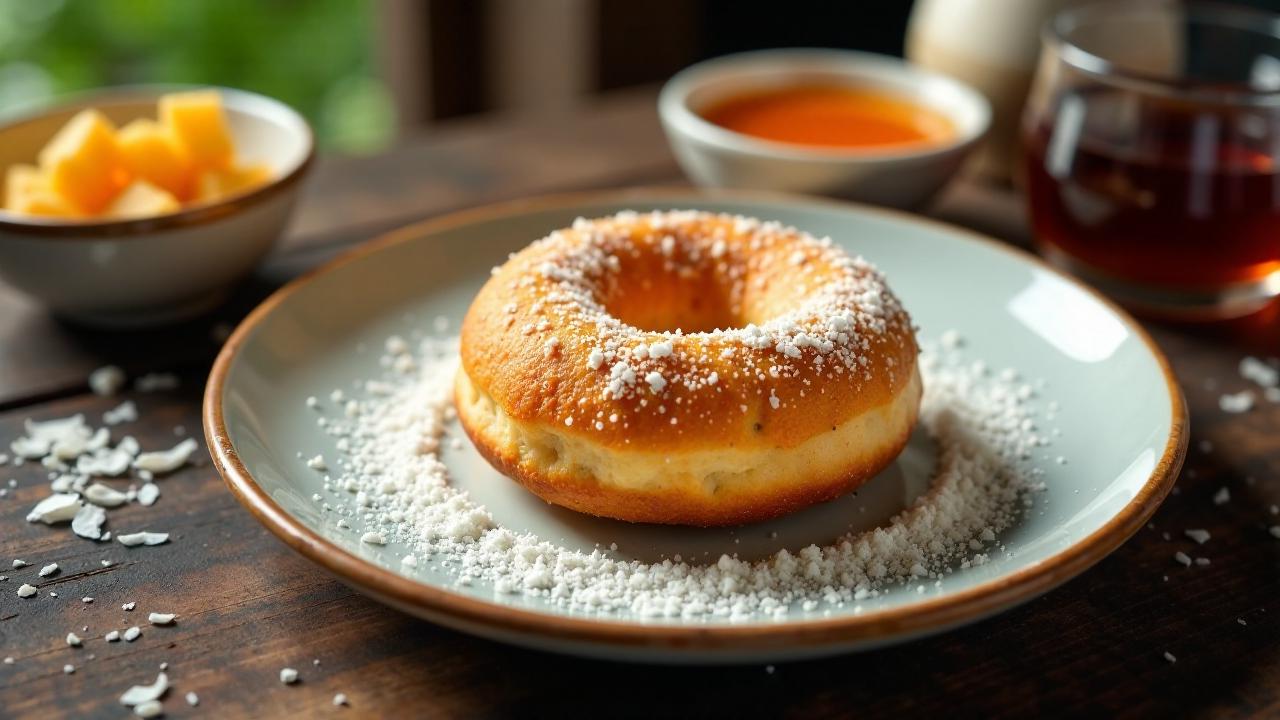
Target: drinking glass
x=1152 y=147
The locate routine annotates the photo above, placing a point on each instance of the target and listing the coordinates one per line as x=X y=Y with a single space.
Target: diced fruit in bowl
x=27 y=192
x=151 y=152
x=91 y=170
x=214 y=184
x=142 y=199
x=197 y=119
x=82 y=162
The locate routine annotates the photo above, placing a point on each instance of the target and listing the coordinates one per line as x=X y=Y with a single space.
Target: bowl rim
x=31 y=227
x=680 y=119
x=933 y=615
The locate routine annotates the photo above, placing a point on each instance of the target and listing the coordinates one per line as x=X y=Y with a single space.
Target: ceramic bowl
x=903 y=177
x=156 y=269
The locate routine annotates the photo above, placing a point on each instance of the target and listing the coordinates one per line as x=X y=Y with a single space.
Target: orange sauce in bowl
x=830 y=116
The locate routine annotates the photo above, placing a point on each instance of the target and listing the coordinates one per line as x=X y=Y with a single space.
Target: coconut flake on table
x=106 y=380
x=288 y=676
x=166 y=461
x=1236 y=403
x=132 y=634
x=125 y=412
x=73 y=640
x=139 y=694
x=156 y=618
x=26 y=591
x=104 y=496
x=148 y=494
x=980 y=488
x=57 y=508
x=155 y=382
x=142 y=538
x=88 y=521
x=109 y=462
x=1199 y=535
x=49 y=569
x=57 y=437
x=1259 y=372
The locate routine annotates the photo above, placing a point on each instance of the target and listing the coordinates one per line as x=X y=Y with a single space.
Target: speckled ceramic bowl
x=1122 y=420
x=158 y=269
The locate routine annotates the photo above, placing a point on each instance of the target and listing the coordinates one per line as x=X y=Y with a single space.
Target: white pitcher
x=992 y=45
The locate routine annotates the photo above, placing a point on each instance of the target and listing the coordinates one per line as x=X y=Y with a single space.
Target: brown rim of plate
x=139 y=227
x=917 y=618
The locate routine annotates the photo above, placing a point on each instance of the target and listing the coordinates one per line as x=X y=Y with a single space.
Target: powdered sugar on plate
x=389 y=476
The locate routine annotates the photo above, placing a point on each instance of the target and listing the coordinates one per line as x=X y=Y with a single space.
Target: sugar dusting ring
x=687 y=368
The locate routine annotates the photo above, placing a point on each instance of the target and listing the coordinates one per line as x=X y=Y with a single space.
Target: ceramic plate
x=1121 y=416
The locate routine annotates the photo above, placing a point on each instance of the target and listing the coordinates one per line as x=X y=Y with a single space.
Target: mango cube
x=142 y=199
x=218 y=184
x=149 y=151
x=197 y=120
x=26 y=191
x=82 y=162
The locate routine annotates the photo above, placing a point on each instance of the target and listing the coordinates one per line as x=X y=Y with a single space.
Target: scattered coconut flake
x=26 y=591
x=19 y=563
x=154 y=382
x=105 y=496
x=1182 y=558
x=1275 y=531
x=160 y=618
x=49 y=569
x=73 y=640
x=1200 y=536
x=68 y=669
x=132 y=633
x=149 y=709
x=106 y=380
x=1222 y=497
x=57 y=508
x=1240 y=402
x=339 y=700
x=373 y=538
x=317 y=463
x=1259 y=372
x=148 y=494
x=125 y=412
x=88 y=522
x=193 y=699
x=128 y=606
x=143 y=538
x=1169 y=656
x=139 y=694
x=113 y=636
x=288 y=676
x=86 y=599
x=166 y=461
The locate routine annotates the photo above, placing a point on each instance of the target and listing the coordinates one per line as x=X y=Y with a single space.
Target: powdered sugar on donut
x=795 y=307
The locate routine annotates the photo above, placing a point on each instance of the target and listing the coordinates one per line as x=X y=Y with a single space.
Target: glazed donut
x=687 y=368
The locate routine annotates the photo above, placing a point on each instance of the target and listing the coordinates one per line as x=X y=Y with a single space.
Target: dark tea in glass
x=1152 y=151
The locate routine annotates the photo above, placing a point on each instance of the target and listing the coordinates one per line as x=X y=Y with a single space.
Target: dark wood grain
x=248 y=607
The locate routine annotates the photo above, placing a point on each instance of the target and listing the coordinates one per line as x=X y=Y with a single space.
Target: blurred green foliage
x=316 y=55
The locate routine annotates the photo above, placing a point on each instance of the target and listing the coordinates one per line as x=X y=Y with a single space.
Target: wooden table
x=249 y=606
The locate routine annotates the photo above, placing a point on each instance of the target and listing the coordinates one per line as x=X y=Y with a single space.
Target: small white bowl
x=157 y=269
x=904 y=176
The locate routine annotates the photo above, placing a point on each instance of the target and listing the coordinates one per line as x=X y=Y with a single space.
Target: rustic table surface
x=249 y=606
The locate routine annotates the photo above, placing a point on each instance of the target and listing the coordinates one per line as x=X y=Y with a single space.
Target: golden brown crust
x=554 y=341
x=507 y=331
x=680 y=503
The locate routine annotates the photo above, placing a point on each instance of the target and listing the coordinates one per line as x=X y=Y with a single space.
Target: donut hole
x=654 y=293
